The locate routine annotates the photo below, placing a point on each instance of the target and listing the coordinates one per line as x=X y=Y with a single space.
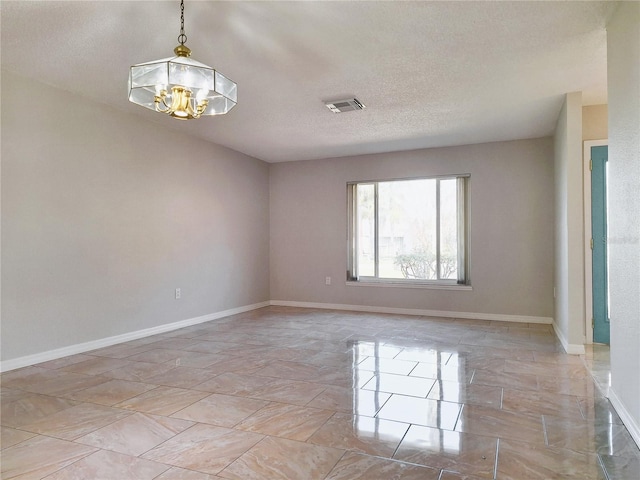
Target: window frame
x=463 y=282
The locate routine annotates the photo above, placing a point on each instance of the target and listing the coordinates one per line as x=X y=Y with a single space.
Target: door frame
x=588 y=264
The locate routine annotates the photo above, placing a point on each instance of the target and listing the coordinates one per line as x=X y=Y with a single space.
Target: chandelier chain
x=182 y=38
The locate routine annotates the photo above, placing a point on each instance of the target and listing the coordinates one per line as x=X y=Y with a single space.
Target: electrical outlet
x=178 y=294
x=327 y=280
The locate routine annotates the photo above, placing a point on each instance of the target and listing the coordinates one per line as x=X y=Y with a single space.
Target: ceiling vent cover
x=348 y=105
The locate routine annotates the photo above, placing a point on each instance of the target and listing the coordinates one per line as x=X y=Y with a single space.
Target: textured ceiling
x=430 y=73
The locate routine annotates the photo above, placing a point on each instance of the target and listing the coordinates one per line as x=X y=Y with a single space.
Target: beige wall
x=623 y=52
x=569 y=226
x=104 y=215
x=511 y=246
x=594 y=122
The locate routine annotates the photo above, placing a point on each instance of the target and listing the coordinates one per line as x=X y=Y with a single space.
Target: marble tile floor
x=303 y=394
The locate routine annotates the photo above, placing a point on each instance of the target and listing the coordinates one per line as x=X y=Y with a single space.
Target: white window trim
x=392 y=283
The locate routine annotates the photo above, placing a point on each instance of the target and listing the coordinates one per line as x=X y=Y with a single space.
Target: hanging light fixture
x=180 y=86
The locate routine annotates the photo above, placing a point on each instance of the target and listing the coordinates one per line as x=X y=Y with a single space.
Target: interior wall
x=511 y=228
x=569 y=318
x=623 y=52
x=594 y=122
x=105 y=215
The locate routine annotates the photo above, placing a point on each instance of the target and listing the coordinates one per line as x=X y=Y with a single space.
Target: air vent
x=348 y=105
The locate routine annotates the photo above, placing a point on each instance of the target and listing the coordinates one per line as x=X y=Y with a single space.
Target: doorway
x=596 y=157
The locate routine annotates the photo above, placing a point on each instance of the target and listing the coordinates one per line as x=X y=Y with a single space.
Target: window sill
x=391 y=284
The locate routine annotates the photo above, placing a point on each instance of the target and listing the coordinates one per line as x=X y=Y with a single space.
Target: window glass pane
x=365 y=230
x=407 y=229
x=448 y=229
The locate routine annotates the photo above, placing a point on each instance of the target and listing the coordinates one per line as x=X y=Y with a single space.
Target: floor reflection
x=410 y=375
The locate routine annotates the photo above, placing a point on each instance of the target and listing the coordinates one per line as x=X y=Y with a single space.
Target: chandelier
x=180 y=86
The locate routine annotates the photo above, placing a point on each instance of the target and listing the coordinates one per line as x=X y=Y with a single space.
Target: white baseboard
x=625 y=416
x=570 y=348
x=25 y=361
x=412 y=311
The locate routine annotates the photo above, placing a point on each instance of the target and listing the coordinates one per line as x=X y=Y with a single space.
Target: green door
x=599 y=244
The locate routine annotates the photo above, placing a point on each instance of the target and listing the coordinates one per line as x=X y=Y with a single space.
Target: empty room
x=320 y=240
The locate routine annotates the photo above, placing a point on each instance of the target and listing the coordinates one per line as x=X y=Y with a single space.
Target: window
x=409 y=231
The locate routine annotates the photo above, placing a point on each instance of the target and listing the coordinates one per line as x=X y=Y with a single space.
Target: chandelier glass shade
x=181 y=87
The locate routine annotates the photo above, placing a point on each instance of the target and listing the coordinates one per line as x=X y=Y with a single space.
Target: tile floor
x=287 y=393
